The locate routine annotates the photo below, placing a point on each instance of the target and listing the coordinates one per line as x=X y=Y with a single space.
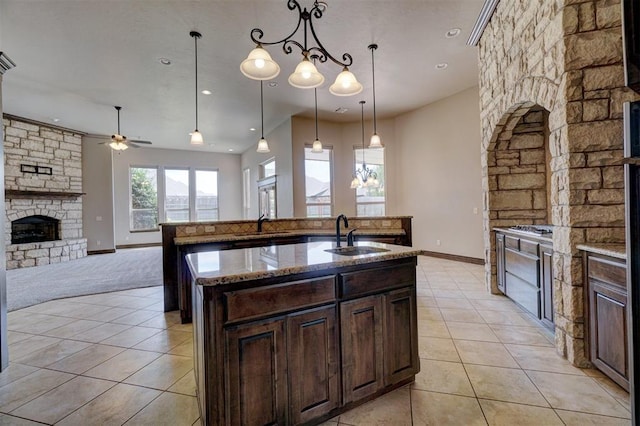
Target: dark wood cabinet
x=312 y=347
x=400 y=336
x=607 y=310
x=362 y=347
x=524 y=272
x=293 y=350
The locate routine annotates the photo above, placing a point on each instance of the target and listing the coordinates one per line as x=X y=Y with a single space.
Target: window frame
x=331 y=183
x=157 y=208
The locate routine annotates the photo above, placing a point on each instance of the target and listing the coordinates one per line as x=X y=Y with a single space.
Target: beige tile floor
x=116 y=358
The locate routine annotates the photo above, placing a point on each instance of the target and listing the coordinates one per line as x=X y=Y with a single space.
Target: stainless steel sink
x=356 y=250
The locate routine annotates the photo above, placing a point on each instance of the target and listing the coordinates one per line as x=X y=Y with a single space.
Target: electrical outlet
x=126 y=238
x=317 y=224
x=98 y=218
x=475 y=210
x=98 y=242
x=437 y=242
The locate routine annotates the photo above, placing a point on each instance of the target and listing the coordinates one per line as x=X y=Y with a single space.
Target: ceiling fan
x=120 y=142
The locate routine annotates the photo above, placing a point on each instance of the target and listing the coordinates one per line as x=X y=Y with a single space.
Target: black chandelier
x=260 y=66
x=364 y=177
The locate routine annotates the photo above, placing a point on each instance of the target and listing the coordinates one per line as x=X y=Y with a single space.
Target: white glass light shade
x=263 y=146
x=118 y=146
x=317 y=147
x=355 y=183
x=259 y=65
x=196 y=138
x=345 y=84
x=306 y=76
x=375 y=141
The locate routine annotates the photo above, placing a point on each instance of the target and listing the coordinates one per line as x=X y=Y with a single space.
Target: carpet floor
x=100 y=273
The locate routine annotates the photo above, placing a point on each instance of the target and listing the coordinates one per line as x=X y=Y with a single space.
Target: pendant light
x=196 y=136
x=263 y=146
x=317 y=145
x=259 y=65
x=375 y=139
x=364 y=177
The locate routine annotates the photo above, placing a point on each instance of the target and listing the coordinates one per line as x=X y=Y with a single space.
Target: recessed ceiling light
x=211 y=144
x=453 y=32
x=206 y=92
x=442 y=66
x=55 y=120
x=340 y=110
x=230 y=149
x=253 y=129
x=273 y=83
x=165 y=61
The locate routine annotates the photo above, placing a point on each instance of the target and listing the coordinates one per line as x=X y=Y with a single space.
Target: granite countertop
x=619 y=251
x=231 y=266
x=215 y=238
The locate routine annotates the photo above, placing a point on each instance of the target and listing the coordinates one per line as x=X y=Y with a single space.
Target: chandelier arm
x=257 y=33
x=348 y=60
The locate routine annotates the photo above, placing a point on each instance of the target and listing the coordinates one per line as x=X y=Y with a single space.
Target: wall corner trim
x=486 y=13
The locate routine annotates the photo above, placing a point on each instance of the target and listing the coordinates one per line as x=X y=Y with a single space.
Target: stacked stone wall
x=35 y=144
x=566 y=57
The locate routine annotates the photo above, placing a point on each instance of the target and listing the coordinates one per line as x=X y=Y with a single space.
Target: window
x=268 y=168
x=317 y=181
x=370 y=201
x=246 y=192
x=176 y=195
x=143 y=198
x=206 y=195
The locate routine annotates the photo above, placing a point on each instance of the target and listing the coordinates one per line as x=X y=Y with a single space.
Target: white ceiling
x=76 y=59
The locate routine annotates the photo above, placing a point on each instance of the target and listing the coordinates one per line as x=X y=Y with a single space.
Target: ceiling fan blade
x=132 y=145
x=137 y=141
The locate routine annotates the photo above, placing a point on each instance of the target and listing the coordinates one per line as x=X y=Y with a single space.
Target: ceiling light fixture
x=263 y=146
x=364 y=177
x=206 y=92
x=164 y=61
x=442 y=66
x=316 y=148
x=196 y=136
x=375 y=139
x=453 y=32
x=260 y=66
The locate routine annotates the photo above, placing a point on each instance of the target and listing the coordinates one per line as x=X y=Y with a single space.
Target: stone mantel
x=19 y=194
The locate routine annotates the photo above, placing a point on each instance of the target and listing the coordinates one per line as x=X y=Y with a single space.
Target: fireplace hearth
x=34 y=229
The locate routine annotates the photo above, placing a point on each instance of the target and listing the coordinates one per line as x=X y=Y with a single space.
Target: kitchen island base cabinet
x=311 y=362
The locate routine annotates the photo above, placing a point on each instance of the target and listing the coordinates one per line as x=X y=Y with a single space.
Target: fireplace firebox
x=34 y=229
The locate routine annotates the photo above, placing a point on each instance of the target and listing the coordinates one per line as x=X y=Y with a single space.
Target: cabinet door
x=362 y=347
x=400 y=336
x=256 y=374
x=500 y=262
x=312 y=344
x=546 y=285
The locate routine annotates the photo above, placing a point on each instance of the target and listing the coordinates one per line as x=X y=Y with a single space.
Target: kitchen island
x=296 y=334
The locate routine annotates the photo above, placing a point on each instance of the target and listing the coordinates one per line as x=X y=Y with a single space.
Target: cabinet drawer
x=529 y=247
x=376 y=280
x=522 y=265
x=261 y=301
x=512 y=242
x=607 y=271
x=523 y=293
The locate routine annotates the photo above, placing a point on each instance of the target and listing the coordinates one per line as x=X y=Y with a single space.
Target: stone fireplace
x=559 y=62
x=43 y=194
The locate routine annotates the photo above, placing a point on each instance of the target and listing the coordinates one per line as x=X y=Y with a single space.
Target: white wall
x=440 y=174
x=97 y=183
x=229 y=184
x=280 y=145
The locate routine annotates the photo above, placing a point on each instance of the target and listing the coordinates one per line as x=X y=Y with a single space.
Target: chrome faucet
x=260 y=220
x=346 y=224
x=350 y=237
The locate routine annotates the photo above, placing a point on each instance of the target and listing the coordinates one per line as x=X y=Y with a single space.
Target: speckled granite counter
x=231 y=266
x=618 y=251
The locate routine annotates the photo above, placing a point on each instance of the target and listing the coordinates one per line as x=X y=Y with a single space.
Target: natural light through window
x=370 y=201
x=318 y=194
x=206 y=195
x=176 y=200
x=143 y=198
